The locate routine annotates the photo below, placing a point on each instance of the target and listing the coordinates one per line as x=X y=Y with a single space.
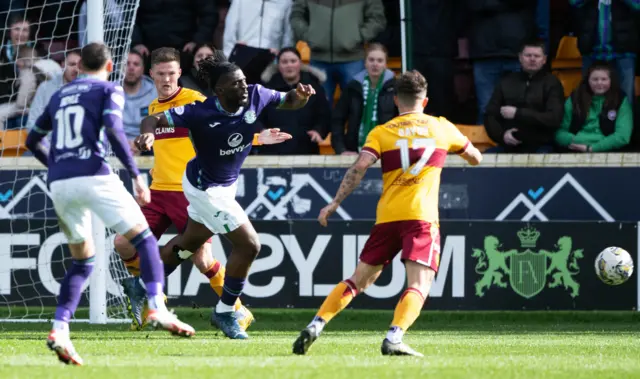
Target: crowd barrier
x=518 y=232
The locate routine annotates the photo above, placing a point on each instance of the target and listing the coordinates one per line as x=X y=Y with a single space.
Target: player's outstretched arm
x=351 y=181
x=145 y=140
x=297 y=98
x=472 y=155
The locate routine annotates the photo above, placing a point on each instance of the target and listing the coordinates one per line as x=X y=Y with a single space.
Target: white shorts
x=216 y=208
x=104 y=195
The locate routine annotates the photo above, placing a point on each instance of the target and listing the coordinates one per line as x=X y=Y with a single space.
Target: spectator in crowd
x=526 y=107
x=14 y=112
x=139 y=92
x=7 y=9
x=54 y=81
x=308 y=125
x=258 y=23
x=366 y=102
x=19 y=36
x=336 y=34
x=498 y=28
x=608 y=30
x=190 y=79
x=435 y=46
x=181 y=24
x=32 y=72
x=597 y=116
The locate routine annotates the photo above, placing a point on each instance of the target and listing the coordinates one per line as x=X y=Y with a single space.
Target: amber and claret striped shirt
x=172 y=148
x=412 y=149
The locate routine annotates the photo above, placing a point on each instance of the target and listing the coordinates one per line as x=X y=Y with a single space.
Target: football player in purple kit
x=81 y=181
x=221 y=130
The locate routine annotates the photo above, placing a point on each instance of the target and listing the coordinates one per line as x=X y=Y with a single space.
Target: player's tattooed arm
x=298 y=97
x=350 y=182
x=354 y=176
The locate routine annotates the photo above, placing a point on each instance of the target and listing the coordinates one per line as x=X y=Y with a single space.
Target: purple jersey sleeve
x=270 y=96
x=112 y=121
x=183 y=115
x=35 y=142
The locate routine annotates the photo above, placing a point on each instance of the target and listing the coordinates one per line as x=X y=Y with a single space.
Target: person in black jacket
x=366 y=103
x=621 y=44
x=181 y=24
x=497 y=30
x=308 y=125
x=435 y=46
x=189 y=79
x=527 y=107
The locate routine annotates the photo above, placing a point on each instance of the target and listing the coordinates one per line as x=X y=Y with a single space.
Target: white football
x=614 y=265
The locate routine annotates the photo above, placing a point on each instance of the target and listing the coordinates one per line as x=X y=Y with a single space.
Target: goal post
x=98 y=287
x=33 y=252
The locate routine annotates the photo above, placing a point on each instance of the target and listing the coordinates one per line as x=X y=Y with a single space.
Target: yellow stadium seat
x=567 y=56
x=395 y=64
x=570 y=80
x=478 y=136
x=567 y=65
x=336 y=95
x=325 y=146
x=12 y=142
x=304 y=51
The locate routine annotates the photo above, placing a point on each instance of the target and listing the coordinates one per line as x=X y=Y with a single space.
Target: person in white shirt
x=258 y=23
x=47 y=88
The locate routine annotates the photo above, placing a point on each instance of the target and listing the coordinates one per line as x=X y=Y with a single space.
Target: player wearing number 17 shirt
x=222 y=130
x=81 y=182
x=412 y=149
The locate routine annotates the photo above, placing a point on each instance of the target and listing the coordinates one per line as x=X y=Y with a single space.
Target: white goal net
x=37 y=38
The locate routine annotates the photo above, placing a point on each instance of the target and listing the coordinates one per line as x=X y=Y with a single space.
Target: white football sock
x=223 y=308
x=318 y=323
x=157 y=302
x=395 y=334
x=61 y=326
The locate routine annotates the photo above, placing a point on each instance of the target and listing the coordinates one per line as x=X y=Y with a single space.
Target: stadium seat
x=477 y=135
x=304 y=51
x=325 y=146
x=567 y=55
x=570 y=80
x=395 y=64
x=336 y=95
x=567 y=65
x=12 y=142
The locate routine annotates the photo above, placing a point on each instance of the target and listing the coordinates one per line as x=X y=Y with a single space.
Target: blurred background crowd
x=516 y=76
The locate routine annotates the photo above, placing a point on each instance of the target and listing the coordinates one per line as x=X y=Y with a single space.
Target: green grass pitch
x=492 y=345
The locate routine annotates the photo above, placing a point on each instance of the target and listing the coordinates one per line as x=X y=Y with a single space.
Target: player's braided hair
x=212 y=68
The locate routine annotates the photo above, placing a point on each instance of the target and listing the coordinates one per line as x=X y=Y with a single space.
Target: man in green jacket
x=336 y=33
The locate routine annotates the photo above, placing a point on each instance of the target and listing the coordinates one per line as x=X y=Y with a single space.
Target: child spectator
x=366 y=102
x=597 y=116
